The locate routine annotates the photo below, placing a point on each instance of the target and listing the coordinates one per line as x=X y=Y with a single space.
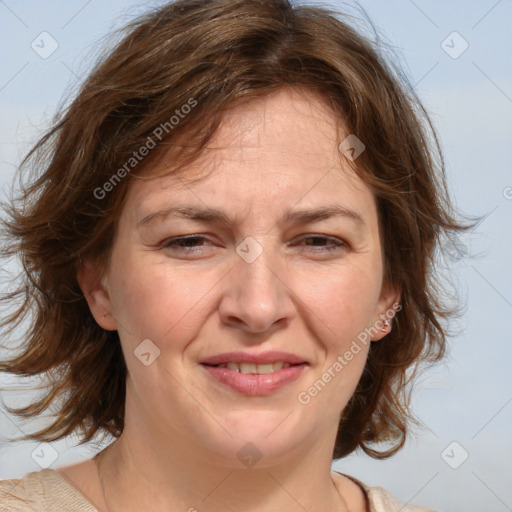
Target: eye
x=324 y=243
x=193 y=244
x=184 y=244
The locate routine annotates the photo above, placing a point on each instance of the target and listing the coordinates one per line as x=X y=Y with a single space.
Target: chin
x=261 y=439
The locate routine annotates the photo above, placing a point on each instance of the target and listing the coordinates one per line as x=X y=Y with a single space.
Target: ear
x=95 y=288
x=387 y=307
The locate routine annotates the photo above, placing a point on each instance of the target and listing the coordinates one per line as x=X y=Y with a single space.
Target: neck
x=134 y=476
x=161 y=467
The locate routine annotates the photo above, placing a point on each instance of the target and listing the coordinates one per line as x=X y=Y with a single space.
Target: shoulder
x=383 y=501
x=23 y=494
x=40 y=491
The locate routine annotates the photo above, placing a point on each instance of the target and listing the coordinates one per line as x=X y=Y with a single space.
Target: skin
x=182 y=428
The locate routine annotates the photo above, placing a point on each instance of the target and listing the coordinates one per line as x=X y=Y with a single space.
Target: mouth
x=255 y=374
x=252 y=368
x=244 y=359
x=246 y=380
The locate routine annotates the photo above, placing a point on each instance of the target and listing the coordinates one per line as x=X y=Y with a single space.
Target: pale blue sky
x=468 y=399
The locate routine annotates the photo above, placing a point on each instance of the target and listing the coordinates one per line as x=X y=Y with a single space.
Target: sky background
x=461 y=460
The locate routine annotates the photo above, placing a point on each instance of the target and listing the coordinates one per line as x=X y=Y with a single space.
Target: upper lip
x=255 y=358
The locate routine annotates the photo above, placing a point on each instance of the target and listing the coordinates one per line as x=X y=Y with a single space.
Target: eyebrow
x=214 y=215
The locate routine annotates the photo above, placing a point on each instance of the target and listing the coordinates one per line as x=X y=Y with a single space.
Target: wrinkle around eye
x=192 y=245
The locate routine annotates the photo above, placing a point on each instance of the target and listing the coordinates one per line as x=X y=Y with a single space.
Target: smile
x=255 y=379
x=260 y=369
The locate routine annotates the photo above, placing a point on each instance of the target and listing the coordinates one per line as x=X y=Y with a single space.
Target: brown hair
x=212 y=55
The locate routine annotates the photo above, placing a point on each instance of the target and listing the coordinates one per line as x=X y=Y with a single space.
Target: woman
x=229 y=258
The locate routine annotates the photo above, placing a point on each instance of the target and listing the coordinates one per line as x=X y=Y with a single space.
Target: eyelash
x=173 y=243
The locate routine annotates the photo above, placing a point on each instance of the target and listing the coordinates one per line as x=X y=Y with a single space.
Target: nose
x=257 y=298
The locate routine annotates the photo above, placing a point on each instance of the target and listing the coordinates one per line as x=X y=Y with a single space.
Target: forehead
x=280 y=148
x=285 y=122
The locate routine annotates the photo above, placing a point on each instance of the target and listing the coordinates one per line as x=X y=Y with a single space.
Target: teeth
x=248 y=368
x=260 y=369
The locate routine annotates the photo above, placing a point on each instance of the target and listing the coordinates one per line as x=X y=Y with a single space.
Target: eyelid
x=167 y=242
x=332 y=238
x=335 y=244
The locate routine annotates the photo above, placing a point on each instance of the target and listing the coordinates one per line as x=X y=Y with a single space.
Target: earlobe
x=382 y=328
x=389 y=306
x=95 y=289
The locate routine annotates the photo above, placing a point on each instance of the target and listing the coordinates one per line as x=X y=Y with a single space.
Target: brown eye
x=185 y=243
x=321 y=243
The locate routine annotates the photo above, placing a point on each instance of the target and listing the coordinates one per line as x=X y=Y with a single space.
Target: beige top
x=48 y=491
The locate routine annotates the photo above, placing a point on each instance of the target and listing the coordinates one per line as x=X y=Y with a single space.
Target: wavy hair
x=213 y=55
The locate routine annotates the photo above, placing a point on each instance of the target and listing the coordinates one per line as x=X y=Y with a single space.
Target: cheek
x=156 y=301
x=343 y=302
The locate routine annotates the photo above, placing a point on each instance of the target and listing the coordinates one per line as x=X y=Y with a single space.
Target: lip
x=253 y=384
x=271 y=356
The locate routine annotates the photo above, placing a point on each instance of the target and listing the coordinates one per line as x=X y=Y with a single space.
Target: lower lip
x=254 y=384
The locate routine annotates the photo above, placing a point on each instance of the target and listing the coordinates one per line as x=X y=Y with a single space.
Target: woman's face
x=295 y=266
